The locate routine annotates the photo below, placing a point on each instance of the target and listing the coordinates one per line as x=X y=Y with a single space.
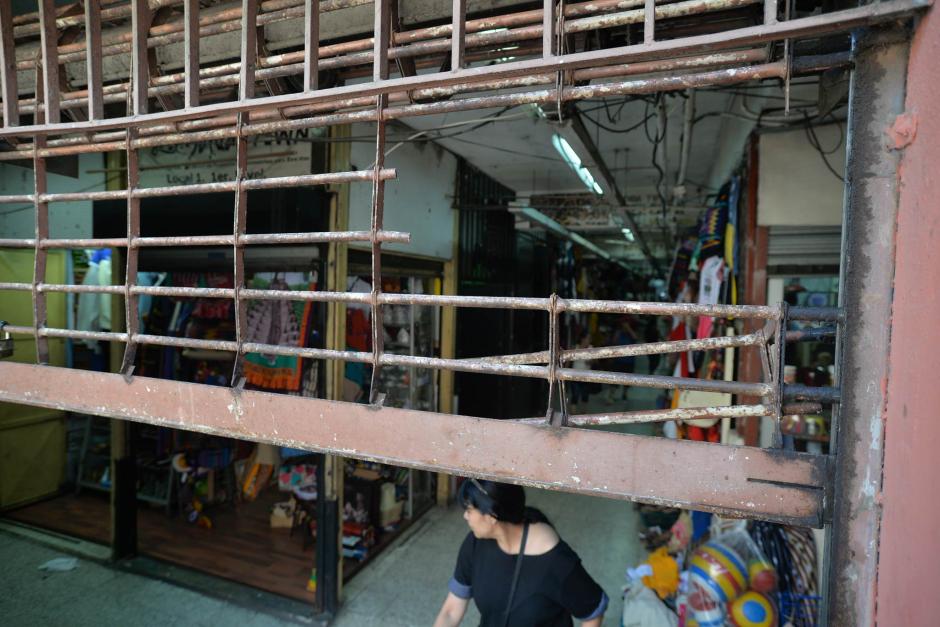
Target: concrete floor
x=405 y=586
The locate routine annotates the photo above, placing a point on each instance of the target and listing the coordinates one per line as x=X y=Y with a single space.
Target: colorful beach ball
x=719 y=571
x=753 y=609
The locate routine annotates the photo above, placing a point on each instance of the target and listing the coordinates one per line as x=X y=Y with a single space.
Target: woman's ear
x=491 y=520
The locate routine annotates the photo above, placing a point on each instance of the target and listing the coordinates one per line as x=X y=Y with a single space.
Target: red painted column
x=909 y=551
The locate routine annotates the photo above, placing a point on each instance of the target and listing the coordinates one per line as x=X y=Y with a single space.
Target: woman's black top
x=552 y=587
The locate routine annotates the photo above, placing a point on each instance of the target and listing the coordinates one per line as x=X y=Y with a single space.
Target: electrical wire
x=813 y=140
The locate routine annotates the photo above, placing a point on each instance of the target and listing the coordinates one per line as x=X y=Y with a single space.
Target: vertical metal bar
x=49 y=38
x=649 y=22
x=876 y=94
x=140 y=68
x=548 y=28
x=381 y=38
x=93 y=59
x=39 y=260
x=249 y=50
x=770 y=12
x=240 y=222
x=11 y=109
x=378 y=212
x=311 y=44
x=191 y=52
x=132 y=317
x=458 y=34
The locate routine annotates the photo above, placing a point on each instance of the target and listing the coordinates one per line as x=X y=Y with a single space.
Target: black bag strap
x=515 y=575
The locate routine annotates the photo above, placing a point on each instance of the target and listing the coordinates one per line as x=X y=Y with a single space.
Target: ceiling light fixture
x=574 y=162
x=537 y=216
x=628 y=234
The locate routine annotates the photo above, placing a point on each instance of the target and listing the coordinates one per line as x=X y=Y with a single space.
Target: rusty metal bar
x=42 y=232
x=816 y=314
x=659 y=415
x=723 y=77
x=811 y=335
x=132 y=315
x=800 y=392
x=458 y=29
x=50 y=61
x=238 y=252
x=8 y=83
x=839 y=21
x=93 y=73
x=781 y=486
x=304 y=180
x=663 y=382
x=175 y=81
x=378 y=213
x=649 y=21
x=249 y=48
x=140 y=68
x=214 y=240
x=633 y=350
x=191 y=69
x=311 y=44
x=381 y=36
x=729 y=76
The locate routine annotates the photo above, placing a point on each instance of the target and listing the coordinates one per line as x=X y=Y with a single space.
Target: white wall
x=795 y=188
x=418 y=201
x=66 y=219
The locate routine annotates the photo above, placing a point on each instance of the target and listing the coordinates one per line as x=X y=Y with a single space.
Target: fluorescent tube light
x=574 y=162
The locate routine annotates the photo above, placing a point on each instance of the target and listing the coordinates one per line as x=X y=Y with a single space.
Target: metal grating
x=544 y=451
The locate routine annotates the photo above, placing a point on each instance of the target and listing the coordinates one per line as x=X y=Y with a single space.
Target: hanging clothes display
x=284 y=323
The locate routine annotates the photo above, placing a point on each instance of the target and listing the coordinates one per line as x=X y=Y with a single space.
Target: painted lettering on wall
x=285 y=153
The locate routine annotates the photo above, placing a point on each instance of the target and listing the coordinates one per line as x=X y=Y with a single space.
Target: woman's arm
x=594 y=622
x=452 y=611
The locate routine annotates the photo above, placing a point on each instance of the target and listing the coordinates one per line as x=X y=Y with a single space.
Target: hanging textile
x=283 y=323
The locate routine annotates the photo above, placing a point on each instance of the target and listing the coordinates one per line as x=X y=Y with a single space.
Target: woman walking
x=515 y=567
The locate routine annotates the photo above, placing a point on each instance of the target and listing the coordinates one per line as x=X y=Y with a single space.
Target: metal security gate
x=548 y=451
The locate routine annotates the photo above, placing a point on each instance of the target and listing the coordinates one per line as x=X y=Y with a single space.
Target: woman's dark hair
x=504 y=501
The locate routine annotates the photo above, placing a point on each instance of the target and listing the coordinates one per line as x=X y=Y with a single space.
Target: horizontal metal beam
x=774 y=485
x=827 y=23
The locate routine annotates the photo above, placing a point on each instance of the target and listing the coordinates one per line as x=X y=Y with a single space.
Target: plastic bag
x=642 y=608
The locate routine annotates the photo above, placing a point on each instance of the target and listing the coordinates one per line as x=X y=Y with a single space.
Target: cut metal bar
x=811 y=335
x=838 y=21
x=41 y=233
x=799 y=392
x=816 y=314
x=311 y=44
x=140 y=67
x=249 y=48
x=659 y=415
x=16 y=287
x=664 y=383
x=649 y=21
x=49 y=38
x=383 y=24
x=458 y=34
x=8 y=83
x=781 y=486
x=133 y=232
x=93 y=74
x=191 y=53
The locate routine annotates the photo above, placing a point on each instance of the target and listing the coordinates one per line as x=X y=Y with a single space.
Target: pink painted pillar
x=909 y=551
